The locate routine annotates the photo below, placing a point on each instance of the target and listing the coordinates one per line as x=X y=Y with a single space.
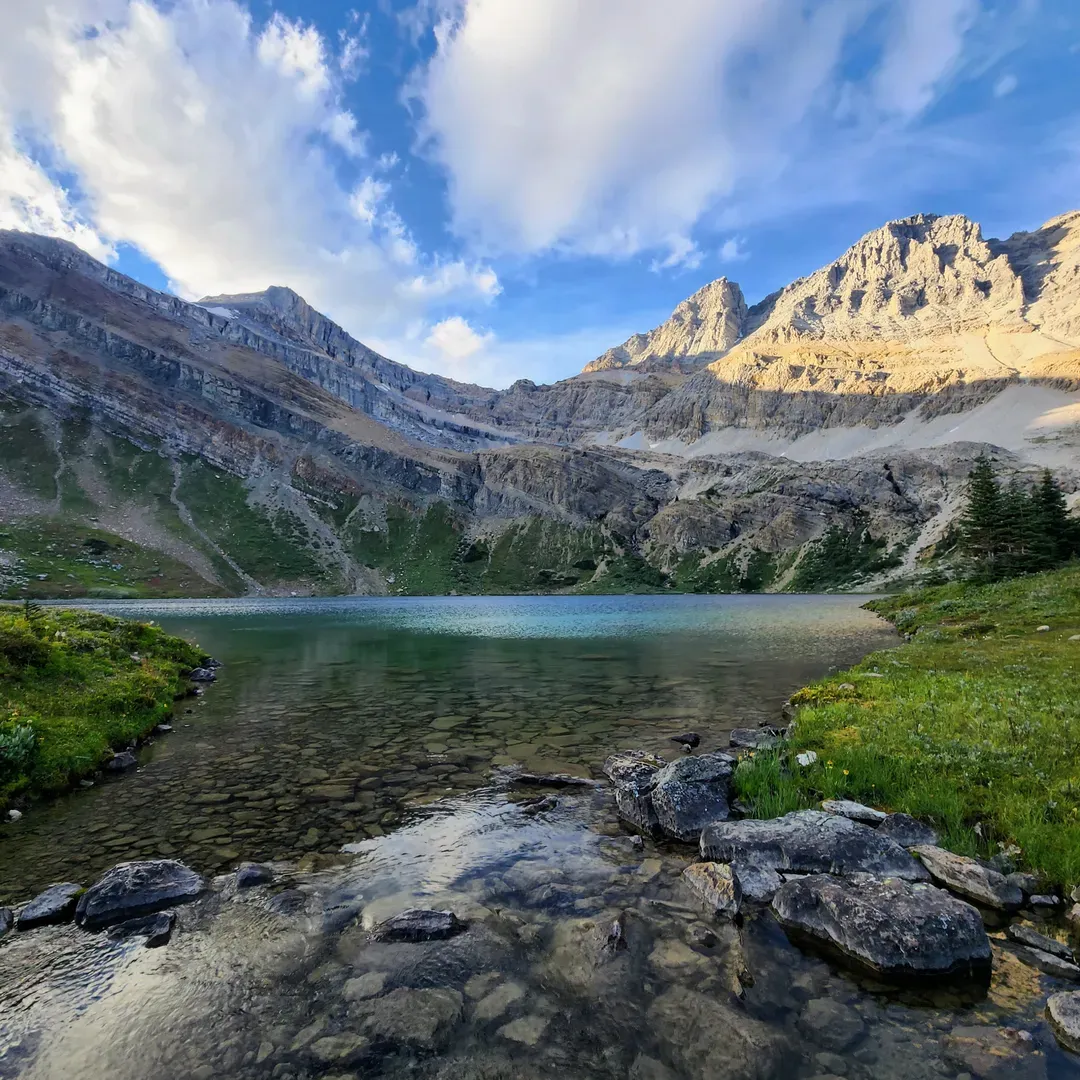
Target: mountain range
x=248 y=444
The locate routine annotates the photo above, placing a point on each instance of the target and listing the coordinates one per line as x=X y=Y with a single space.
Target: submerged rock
x=907 y=831
x=809 y=842
x=55 y=905
x=710 y=1039
x=691 y=793
x=419 y=924
x=716 y=885
x=250 y=874
x=831 y=1024
x=894 y=928
x=157 y=929
x=854 y=811
x=122 y=762
x=417 y=1019
x=994 y=1053
x=137 y=888
x=969 y=878
x=1063 y=1012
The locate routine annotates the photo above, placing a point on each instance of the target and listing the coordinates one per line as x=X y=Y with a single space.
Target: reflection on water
x=333 y=721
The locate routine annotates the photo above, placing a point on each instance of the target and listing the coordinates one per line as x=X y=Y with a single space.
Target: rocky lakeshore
x=526 y=931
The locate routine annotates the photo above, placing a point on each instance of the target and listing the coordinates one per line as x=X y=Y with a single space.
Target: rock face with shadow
x=255 y=446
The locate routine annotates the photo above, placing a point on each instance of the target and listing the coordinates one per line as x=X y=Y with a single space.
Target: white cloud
x=209 y=143
x=682 y=252
x=1005 y=85
x=456 y=339
x=609 y=127
x=732 y=251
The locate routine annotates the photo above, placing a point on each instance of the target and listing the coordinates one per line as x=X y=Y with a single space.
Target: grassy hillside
x=974 y=724
x=74 y=684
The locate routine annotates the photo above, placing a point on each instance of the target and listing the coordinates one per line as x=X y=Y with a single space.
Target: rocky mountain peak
x=912 y=278
x=701 y=329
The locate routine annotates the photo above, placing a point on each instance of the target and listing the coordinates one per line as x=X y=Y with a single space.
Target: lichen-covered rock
x=754 y=738
x=137 y=888
x=716 y=886
x=854 y=811
x=808 y=842
x=907 y=831
x=633 y=773
x=419 y=924
x=893 y=928
x=757 y=884
x=969 y=878
x=1063 y=1012
x=55 y=905
x=691 y=793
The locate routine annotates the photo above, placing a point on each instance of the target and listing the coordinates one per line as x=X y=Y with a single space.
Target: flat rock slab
x=894 y=928
x=137 y=888
x=969 y=878
x=419 y=924
x=854 y=811
x=907 y=831
x=716 y=886
x=1049 y=964
x=416 y=1019
x=157 y=929
x=691 y=793
x=1063 y=1012
x=55 y=905
x=1026 y=935
x=754 y=738
x=994 y=1053
x=809 y=842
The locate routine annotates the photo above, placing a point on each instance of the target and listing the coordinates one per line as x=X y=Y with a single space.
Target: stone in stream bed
x=691 y=793
x=121 y=762
x=831 y=1024
x=1063 y=1012
x=418 y=1019
x=970 y=879
x=202 y=674
x=55 y=905
x=250 y=874
x=419 y=924
x=994 y=1053
x=1026 y=935
x=808 y=842
x=757 y=884
x=854 y=811
x=907 y=831
x=716 y=886
x=893 y=928
x=137 y=888
x=633 y=772
x=157 y=929
x=7 y=920
x=1049 y=964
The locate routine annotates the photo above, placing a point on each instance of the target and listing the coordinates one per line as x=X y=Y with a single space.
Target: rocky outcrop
x=894 y=928
x=701 y=329
x=809 y=842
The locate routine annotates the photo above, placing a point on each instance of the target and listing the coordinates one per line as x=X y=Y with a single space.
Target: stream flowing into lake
x=357 y=745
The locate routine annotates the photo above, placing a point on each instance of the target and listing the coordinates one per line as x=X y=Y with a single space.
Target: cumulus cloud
x=610 y=127
x=456 y=339
x=1005 y=85
x=214 y=144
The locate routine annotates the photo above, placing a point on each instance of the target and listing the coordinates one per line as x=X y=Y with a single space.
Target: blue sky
x=497 y=189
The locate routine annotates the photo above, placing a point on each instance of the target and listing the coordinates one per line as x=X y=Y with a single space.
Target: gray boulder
x=1063 y=1012
x=854 y=811
x=7 y=920
x=633 y=772
x=969 y=878
x=202 y=674
x=250 y=874
x=808 y=842
x=754 y=738
x=716 y=886
x=55 y=905
x=157 y=929
x=137 y=888
x=1049 y=964
x=893 y=928
x=419 y=924
x=907 y=831
x=122 y=762
x=757 y=884
x=691 y=793
x=1026 y=935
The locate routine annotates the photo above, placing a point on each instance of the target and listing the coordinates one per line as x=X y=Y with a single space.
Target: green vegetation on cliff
x=73 y=685
x=973 y=725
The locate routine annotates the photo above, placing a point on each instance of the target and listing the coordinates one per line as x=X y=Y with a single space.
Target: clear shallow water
x=336 y=720
x=377 y=725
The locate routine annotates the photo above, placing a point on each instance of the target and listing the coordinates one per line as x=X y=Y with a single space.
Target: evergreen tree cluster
x=1008 y=530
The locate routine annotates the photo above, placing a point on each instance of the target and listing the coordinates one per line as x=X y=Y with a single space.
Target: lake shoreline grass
x=973 y=724
x=74 y=686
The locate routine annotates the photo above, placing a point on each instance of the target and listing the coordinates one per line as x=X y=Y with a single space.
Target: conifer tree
x=1058 y=529
x=982 y=525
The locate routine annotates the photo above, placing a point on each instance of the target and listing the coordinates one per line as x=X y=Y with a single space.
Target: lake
x=357 y=744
